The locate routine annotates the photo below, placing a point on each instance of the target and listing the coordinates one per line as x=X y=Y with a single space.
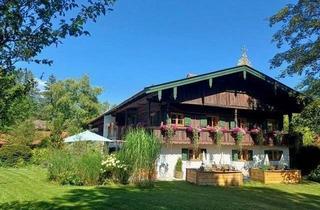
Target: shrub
x=114 y=170
x=140 y=153
x=69 y=166
x=12 y=154
x=88 y=167
x=179 y=165
x=306 y=159
x=40 y=156
x=315 y=174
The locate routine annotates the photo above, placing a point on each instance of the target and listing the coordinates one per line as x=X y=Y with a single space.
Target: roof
x=176 y=83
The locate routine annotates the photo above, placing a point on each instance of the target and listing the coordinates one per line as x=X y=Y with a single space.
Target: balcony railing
x=181 y=137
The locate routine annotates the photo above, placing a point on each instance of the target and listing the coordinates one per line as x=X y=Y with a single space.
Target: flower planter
x=275 y=176
x=217 y=178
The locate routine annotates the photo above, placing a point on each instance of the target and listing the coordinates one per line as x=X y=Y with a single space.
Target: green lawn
x=28 y=189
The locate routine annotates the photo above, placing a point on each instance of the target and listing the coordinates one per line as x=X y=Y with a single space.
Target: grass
x=28 y=188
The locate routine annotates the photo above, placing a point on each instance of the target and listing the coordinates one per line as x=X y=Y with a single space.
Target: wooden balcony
x=181 y=137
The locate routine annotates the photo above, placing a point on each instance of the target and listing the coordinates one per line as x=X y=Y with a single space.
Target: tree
x=16 y=102
x=299 y=34
x=69 y=105
x=26 y=28
x=300 y=31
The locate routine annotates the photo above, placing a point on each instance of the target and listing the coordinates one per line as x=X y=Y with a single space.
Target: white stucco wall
x=170 y=154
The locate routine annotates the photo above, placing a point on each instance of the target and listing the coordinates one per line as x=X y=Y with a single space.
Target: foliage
x=40 y=156
x=13 y=154
x=178 y=166
x=69 y=105
x=168 y=131
x=238 y=135
x=257 y=136
x=310 y=116
x=299 y=127
x=194 y=134
x=217 y=133
x=27 y=27
x=114 y=170
x=300 y=30
x=315 y=174
x=75 y=167
x=306 y=159
x=140 y=153
x=277 y=135
x=16 y=102
x=22 y=133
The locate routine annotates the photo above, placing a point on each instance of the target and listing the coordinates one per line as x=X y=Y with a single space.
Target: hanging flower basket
x=168 y=132
x=217 y=134
x=277 y=137
x=194 y=135
x=257 y=136
x=238 y=135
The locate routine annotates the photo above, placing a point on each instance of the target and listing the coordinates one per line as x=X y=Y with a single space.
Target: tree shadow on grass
x=174 y=195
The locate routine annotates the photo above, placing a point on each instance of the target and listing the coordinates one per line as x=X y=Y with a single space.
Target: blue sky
x=145 y=42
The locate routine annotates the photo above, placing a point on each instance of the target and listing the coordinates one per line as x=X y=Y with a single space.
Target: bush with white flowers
x=112 y=169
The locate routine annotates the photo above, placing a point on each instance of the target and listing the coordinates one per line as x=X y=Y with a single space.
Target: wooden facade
x=235 y=97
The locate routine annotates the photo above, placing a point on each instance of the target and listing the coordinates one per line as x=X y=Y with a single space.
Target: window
x=212 y=121
x=191 y=154
x=177 y=119
x=273 y=155
x=243 y=155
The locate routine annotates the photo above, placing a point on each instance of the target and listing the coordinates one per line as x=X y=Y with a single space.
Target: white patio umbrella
x=266 y=161
x=204 y=158
x=86 y=136
x=281 y=162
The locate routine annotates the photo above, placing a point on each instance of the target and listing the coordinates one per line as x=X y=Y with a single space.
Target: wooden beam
x=175 y=92
x=244 y=75
x=236 y=117
x=210 y=82
x=159 y=95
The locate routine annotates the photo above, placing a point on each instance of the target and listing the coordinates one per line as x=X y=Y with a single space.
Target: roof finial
x=244 y=60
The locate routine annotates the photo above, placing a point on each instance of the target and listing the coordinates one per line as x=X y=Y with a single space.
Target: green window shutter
x=250 y=155
x=185 y=154
x=235 y=155
x=187 y=121
x=203 y=122
x=232 y=124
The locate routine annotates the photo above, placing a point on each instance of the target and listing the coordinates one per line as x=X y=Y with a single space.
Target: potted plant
x=238 y=135
x=178 y=169
x=217 y=134
x=257 y=136
x=168 y=132
x=194 y=135
x=277 y=137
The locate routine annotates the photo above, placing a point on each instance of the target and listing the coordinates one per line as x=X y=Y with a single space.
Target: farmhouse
x=188 y=114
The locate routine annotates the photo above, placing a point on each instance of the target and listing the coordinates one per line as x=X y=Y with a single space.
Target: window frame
x=272 y=154
x=213 y=118
x=177 y=119
x=191 y=155
x=243 y=153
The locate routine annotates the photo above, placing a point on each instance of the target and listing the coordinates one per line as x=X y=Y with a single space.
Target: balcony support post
x=236 y=117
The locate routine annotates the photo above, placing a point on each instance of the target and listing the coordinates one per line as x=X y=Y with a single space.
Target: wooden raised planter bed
x=275 y=176
x=218 y=178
